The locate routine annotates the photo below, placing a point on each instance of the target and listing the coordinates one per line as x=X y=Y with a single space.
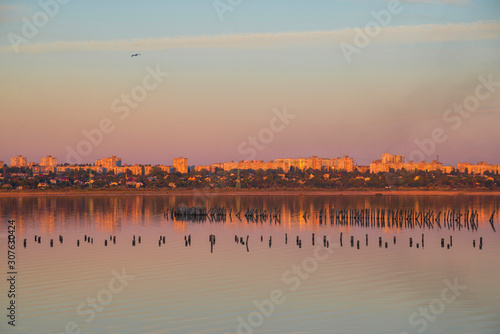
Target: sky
x=217 y=81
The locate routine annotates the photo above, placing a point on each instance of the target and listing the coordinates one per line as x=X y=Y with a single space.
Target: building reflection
x=109 y=213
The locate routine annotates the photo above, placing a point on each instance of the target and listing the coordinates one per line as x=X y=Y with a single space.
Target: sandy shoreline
x=252 y=193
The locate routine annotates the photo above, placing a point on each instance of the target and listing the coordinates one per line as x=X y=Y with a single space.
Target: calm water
x=312 y=289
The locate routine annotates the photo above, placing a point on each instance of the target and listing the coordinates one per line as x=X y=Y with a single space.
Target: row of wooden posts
x=220 y=214
x=344 y=217
x=244 y=242
x=408 y=218
x=200 y=214
x=450 y=219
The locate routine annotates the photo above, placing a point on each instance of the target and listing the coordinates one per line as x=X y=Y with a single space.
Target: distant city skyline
x=182 y=163
x=203 y=85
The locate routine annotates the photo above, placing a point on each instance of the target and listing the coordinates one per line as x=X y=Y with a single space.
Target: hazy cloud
x=480 y=30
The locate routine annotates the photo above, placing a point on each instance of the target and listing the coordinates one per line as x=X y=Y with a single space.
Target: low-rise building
x=201 y=168
x=391 y=162
x=109 y=163
x=480 y=168
x=327 y=164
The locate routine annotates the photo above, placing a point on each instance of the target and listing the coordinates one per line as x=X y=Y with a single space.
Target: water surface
x=179 y=289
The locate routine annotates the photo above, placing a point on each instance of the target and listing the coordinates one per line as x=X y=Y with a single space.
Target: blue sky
x=227 y=76
x=113 y=19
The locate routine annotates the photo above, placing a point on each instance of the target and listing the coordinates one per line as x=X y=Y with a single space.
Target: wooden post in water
x=211 y=238
x=78 y=243
x=105 y=242
x=442 y=242
x=491 y=221
x=380 y=241
x=51 y=242
x=24 y=243
x=411 y=242
x=313 y=239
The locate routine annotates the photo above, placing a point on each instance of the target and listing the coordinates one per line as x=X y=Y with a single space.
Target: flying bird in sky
x=135 y=55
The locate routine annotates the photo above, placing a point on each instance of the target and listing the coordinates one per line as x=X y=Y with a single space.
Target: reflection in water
x=107 y=213
x=228 y=267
